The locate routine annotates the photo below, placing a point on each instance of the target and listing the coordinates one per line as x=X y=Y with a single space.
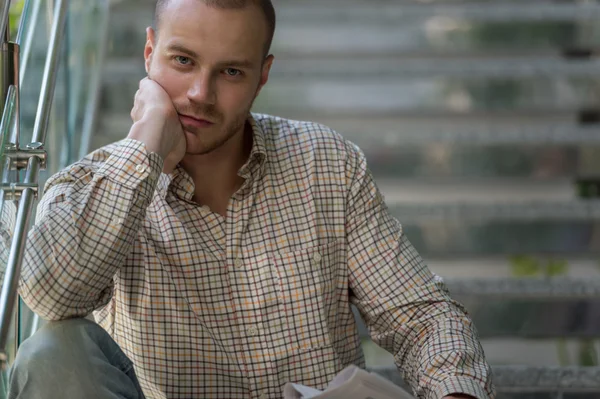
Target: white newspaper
x=351 y=383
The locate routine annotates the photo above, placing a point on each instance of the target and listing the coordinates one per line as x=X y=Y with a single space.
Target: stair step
x=556 y=352
x=385 y=10
x=455 y=238
x=340 y=68
x=576 y=210
x=540 y=382
x=532 y=308
x=386 y=130
x=503 y=268
x=324 y=27
x=383 y=95
x=318 y=11
x=526 y=288
x=474 y=191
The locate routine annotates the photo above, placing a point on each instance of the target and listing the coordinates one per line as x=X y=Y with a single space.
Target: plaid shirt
x=208 y=306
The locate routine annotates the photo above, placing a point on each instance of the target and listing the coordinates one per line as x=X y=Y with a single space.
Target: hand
x=156 y=124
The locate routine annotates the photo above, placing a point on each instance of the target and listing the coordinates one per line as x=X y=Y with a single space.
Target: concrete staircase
x=481 y=123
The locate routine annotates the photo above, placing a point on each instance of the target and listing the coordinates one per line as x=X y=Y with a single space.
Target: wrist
x=149 y=132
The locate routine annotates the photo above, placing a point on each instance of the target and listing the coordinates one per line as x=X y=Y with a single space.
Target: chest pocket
x=310 y=283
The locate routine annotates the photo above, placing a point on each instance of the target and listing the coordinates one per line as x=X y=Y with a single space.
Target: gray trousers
x=72 y=359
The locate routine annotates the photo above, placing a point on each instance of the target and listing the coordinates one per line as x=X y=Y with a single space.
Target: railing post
x=9 y=72
x=34 y=157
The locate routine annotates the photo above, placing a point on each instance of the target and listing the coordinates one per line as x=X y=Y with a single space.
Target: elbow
x=48 y=304
x=52 y=300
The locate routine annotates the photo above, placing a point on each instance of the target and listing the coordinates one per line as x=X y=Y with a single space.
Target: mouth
x=193 y=121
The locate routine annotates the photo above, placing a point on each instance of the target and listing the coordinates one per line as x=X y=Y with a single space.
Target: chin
x=196 y=146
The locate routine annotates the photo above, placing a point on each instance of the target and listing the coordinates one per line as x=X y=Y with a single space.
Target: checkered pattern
x=8 y=214
x=214 y=307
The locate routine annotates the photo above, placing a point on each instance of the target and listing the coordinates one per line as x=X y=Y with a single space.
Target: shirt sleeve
x=406 y=308
x=86 y=224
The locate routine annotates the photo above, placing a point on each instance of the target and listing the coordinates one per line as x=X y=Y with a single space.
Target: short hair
x=266 y=7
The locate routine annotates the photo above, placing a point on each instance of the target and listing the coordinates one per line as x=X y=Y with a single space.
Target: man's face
x=210 y=62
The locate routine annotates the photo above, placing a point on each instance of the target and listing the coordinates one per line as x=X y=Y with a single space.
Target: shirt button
x=317 y=257
x=140 y=168
x=117 y=221
x=252 y=331
x=238 y=263
x=263 y=396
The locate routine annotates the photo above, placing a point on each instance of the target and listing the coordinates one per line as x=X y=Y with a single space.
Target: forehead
x=214 y=32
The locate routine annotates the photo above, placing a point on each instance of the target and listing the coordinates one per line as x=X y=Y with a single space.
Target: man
x=232 y=271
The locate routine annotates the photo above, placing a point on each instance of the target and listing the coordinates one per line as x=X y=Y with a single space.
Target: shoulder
x=309 y=140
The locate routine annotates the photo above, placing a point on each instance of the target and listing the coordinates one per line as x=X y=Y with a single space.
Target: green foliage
x=563 y=352
x=525 y=266
x=556 y=268
x=524 y=34
x=528 y=266
x=588 y=357
x=16 y=9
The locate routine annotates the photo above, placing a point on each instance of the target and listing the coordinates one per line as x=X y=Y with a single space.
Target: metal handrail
x=4 y=21
x=94 y=91
x=50 y=73
x=8 y=294
x=27 y=45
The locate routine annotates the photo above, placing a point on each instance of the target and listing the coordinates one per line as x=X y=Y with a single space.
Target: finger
x=143 y=82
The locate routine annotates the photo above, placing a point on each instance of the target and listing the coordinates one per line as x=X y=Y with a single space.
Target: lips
x=193 y=121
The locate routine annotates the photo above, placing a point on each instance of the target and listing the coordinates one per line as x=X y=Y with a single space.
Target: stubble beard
x=225 y=134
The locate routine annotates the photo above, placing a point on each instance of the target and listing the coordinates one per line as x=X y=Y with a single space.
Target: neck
x=215 y=174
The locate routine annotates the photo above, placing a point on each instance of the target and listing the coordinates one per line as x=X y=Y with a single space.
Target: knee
x=58 y=343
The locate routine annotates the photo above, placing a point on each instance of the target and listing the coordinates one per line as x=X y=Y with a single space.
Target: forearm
x=434 y=345
x=450 y=360
x=433 y=341
x=82 y=237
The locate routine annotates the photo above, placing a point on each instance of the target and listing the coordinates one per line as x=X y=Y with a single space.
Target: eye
x=182 y=60
x=233 y=72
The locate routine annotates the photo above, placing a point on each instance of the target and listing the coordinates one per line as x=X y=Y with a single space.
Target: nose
x=202 y=89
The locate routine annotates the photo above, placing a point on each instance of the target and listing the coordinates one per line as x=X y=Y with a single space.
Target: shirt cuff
x=459 y=385
x=131 y=165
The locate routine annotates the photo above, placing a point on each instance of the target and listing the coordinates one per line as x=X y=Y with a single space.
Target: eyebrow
x=180 y=49
x=237 y=63
x=232 y=63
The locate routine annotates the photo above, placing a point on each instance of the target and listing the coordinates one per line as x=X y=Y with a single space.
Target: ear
x=149 y=48
x=264 y=75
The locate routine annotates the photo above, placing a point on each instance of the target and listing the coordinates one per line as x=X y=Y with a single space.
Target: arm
x=85 y=227
x=406 y=307
x=89 y=217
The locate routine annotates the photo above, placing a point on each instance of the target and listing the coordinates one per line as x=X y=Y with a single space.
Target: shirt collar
x=183 y=186
x=254 y=166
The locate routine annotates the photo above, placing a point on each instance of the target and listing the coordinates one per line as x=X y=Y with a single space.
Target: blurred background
x=480 y=120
